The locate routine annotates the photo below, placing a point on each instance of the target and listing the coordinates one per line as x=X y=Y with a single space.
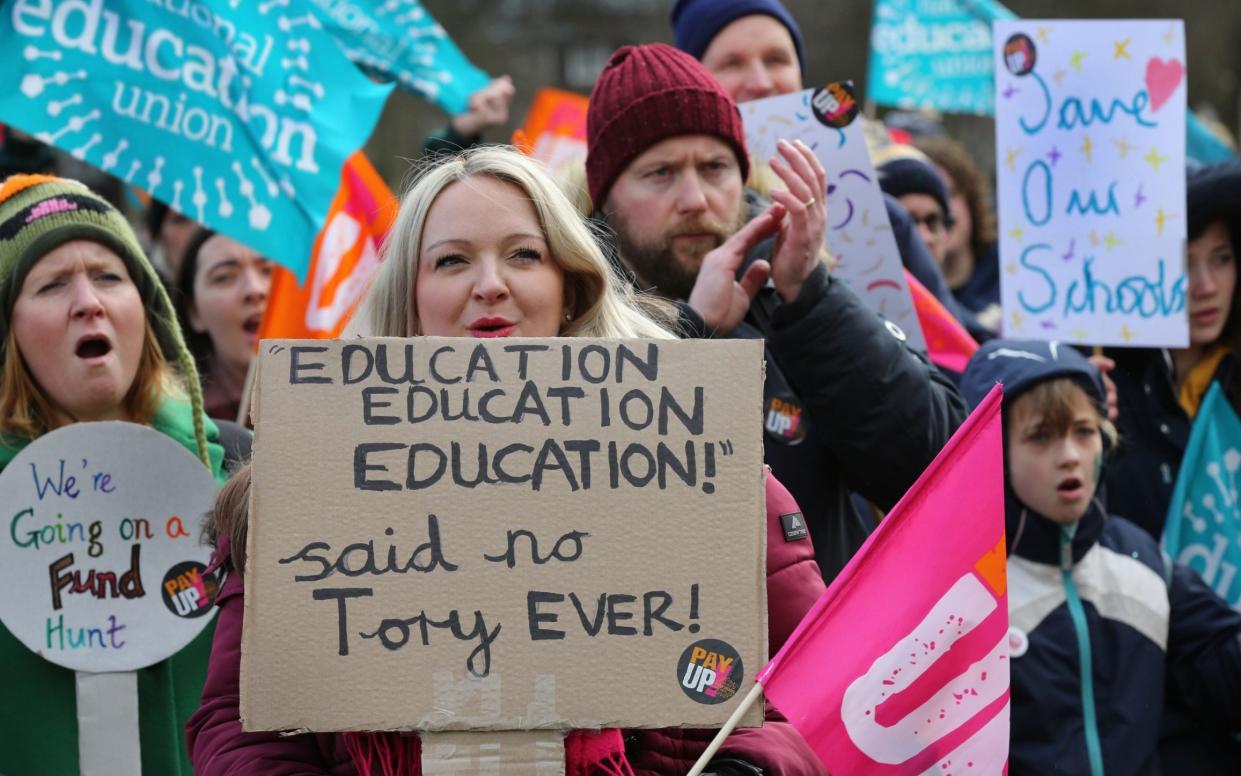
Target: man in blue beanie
x=753 y=47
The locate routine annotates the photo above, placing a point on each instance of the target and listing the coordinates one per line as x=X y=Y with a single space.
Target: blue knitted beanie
x=695 y=23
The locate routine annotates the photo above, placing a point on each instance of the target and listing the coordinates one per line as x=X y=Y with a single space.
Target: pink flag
x=901 y=667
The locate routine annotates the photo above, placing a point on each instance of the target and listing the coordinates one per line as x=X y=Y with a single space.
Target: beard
x=659 y=266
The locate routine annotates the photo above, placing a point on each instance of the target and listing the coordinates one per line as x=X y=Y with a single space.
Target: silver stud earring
x=568 y=317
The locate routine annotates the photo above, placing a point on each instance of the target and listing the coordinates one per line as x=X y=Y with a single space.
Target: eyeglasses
x=934 y=222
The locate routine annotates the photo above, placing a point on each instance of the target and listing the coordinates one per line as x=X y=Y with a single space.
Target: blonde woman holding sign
x=87 y=333
x=485 y=245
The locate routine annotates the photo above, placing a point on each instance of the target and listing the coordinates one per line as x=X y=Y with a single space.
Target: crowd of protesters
x=1123 y=661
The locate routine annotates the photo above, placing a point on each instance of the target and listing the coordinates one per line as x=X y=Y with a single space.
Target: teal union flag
x=397 y=40
x=237 y=113
x=1203 y=529
x=934 y=54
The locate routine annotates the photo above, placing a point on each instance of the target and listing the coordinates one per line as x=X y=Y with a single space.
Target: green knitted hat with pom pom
x=39 y=213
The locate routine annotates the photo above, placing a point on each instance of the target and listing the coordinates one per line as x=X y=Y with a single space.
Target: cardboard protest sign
x=212 y=108
x=101 y=568
x=934 y=55
x=859 y=235
x=400 y=41
x=505 y=534
x=537 y=752
x=1090 y=147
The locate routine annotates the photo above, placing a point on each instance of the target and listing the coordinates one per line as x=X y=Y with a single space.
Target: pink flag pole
x=837 y=712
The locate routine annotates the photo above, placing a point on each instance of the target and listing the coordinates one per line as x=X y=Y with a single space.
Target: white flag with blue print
x=1203 y=530
x=237 y=113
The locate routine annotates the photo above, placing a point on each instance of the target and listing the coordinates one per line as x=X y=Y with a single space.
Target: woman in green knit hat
x=87 y=333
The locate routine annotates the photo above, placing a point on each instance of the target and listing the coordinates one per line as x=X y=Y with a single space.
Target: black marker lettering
x=370 y=404
x=296 y=367
x=537 y=618
x=341 y=594
x=361 y=467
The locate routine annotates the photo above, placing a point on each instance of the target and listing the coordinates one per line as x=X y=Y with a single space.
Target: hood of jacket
x=1019 y=365
x=1022 y=364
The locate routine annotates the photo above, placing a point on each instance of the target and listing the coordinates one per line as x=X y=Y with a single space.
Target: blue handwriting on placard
x=1038 y=166
x=1091 y=205
x=59 y=484
x=1042 y=196
x=62 y=637
x=1133 y=295
x=1073 y=113
x=1026 y=256
x=1145 y=297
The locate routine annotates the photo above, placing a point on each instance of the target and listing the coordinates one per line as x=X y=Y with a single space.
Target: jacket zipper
x=1085 y=674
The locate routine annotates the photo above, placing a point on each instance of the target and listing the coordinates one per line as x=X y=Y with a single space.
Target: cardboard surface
x=1090 y=164
x=502 y=753
x=858 y=235
x=664 y=564
x=101 y=566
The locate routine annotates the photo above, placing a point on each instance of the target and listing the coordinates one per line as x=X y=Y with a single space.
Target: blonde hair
x=604 y=305
x=1057 y=402
x=894 y=151
x=27 y=411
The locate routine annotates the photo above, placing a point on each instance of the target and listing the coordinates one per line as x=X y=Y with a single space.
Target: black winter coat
x=847 y=406
x=921 y=264
x=1154 y=431
x=871 y=413
x=1145 y=626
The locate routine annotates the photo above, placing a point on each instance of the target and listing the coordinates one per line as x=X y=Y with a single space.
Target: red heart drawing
x=1162 y=78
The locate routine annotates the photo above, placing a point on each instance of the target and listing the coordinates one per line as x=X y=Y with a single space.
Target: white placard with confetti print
x=1090 y=160
x=859 y=235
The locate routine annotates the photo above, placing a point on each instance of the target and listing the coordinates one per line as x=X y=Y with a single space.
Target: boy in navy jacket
x=1102 y=625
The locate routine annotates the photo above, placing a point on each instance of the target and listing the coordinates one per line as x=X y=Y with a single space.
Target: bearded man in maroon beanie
x=847 y=404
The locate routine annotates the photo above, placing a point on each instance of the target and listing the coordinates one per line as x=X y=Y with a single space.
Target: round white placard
x=101 y=562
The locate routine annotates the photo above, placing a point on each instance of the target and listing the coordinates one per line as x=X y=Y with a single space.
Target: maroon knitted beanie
x=647 y=94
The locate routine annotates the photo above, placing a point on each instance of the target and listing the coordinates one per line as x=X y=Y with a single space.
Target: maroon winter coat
x=793 y=585
x=219 y=747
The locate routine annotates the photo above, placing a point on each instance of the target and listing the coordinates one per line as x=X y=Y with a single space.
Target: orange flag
x=344 y=258
x=555 y=128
